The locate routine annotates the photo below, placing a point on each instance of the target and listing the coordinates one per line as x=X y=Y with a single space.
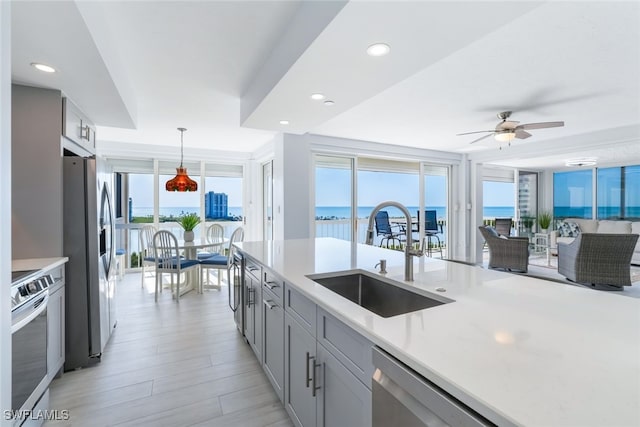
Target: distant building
x=216 y=205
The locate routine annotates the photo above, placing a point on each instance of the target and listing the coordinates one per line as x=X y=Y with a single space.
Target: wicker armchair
x=598 y=259
x=510 y=253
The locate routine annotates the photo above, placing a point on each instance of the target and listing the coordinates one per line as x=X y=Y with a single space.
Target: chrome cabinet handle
x=85 y=133
x=272 y=285
x=307 y=377
x=269 y=304
x=314 y=388
x=249 y=293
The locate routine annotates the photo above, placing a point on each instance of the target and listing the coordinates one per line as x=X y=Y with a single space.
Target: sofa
x=594 y=226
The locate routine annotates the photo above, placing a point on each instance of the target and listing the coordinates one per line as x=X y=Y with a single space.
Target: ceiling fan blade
x=479 y=131
x=522 y=134
x=541 y=125
x=480 y=139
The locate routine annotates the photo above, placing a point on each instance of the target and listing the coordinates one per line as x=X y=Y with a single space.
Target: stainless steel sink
x=379 y=295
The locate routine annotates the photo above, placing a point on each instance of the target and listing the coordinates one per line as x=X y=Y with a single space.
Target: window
x=609 y=190
x=618 y=192
x=572 y=194
x=383 y=180
x=140 y=203
x=632 y=193
x=333 y=197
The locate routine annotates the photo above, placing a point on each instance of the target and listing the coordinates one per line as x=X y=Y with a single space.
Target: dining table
x=190 y=250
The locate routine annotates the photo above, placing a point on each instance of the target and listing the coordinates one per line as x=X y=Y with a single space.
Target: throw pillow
x=503 y=237
x=569 y=229
x=492 y=231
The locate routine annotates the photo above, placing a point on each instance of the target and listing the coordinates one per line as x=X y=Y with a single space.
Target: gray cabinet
x=36 y=173
x=55 y=332
x=273 y=341
x=319 y=367
x=324 y=386
x=342 y=399
x=253 y=309
x=78 y=128
x=56 y=324
x=300 y=368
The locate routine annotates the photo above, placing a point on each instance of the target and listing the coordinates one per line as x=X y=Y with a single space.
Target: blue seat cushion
x=184 y=263
x=120 y=252
x=204 y=255
x=215 y=260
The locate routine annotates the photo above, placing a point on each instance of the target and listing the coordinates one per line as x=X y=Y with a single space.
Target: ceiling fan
x=507 y=130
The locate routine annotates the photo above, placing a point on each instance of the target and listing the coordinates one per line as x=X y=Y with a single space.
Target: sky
x=333 y=189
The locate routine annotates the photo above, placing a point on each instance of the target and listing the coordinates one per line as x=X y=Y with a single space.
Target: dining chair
x=168 y=260
x=215 y=236
x=385 y=229
x=220 y=261
x=147 y=254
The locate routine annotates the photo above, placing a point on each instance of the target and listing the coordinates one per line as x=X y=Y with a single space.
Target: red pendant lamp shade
x=181 y=182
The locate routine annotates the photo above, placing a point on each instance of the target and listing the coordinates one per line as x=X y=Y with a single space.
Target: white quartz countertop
x=37 y=263
x=518 y=350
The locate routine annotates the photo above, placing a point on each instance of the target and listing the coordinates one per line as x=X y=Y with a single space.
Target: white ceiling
x=230 y=71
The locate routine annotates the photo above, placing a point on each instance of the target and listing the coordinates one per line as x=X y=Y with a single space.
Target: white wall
x=291 y=186
x=5 y=207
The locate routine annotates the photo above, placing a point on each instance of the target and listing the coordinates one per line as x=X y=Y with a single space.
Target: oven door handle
x=36 y=307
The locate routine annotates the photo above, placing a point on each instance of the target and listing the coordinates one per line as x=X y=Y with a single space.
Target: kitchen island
x=517 y=350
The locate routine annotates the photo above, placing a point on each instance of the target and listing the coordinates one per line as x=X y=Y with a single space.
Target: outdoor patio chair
x=431 y=230
x=386 y=229
x=510 y=253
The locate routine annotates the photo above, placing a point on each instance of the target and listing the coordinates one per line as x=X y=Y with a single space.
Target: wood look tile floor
x=170 y=364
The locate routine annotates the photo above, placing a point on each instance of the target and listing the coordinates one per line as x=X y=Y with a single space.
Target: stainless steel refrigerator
x=90 y=272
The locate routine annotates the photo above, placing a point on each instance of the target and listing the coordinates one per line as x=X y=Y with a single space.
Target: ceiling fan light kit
x=508 y=130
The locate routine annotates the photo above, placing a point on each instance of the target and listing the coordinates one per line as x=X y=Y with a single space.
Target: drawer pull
x=270 y=304
x=271 y=285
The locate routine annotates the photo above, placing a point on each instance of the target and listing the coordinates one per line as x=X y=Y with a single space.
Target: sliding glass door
x=334 y=197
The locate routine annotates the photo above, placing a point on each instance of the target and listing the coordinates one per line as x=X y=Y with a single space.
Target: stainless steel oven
x=29 y=297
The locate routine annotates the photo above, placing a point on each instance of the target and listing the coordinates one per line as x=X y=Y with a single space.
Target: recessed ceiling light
x=43 y=67
x=329 y=103
x=378 y=49
x=317 y=96
x=284 y=122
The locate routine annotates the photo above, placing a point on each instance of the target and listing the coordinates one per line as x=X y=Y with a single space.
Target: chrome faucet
x=408 y=250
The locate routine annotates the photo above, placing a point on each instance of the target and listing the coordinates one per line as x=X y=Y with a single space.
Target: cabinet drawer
x=348 y=346
x=275 y=284
x=252 y=268
x=301 y=309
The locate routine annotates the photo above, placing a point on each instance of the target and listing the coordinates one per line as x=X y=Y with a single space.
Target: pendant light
x=181 y=182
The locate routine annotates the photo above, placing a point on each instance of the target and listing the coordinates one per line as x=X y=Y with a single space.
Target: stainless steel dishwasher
x=402 y=397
